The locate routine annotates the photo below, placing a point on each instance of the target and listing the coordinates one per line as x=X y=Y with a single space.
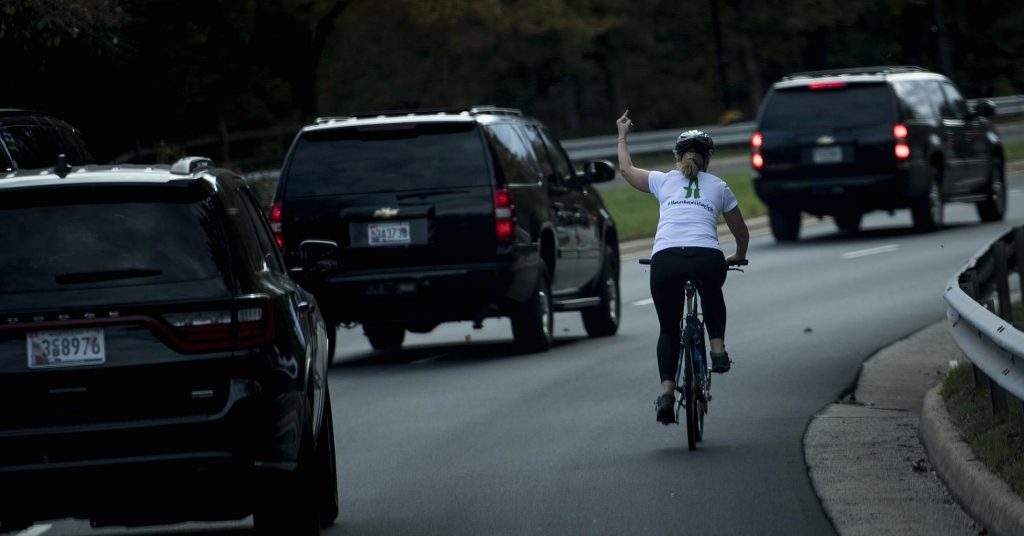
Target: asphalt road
x=455 y=434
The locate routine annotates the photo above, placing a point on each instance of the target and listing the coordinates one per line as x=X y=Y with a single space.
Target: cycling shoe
x=720 y=363
x=665 y=407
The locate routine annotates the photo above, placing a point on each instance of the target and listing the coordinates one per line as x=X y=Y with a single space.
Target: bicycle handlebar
x=744 y=262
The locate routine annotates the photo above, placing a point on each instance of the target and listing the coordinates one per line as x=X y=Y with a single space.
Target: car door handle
x=305 y=306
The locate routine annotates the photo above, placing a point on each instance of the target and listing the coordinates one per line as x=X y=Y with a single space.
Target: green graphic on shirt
x=693 y=189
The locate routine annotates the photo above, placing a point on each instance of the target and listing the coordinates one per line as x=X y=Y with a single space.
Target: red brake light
x=826 y=85
x=504 y=216
x=756 y=141
x=246 y=325
x=275 y=217
x=757 y=161
x=899 y=130
x=902 y=151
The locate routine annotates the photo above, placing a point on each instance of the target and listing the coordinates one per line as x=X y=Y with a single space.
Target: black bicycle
x=695 y=389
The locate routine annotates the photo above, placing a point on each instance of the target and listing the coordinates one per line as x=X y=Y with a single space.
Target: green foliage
x=997 y=440
x=132 y=72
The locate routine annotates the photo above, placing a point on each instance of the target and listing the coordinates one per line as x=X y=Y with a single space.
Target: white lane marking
x=870 y=251
x=646 y=301
x=1014 y=191
x=34 y=530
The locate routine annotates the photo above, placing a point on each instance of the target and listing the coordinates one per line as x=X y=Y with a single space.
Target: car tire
x=325 y=472
x=848 y=222
x=994 y=207
x=603 y=320
x=285 y=504
x=384 y=336
x=533 y=322
x=928 y=209
x=785 y=224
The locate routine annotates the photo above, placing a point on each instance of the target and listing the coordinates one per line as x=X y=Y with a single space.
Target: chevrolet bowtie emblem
x=385 y=212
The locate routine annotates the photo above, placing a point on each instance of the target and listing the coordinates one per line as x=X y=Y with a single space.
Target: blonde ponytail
x=688 y=164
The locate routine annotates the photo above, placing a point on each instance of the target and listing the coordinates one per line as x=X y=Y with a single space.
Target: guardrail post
x=969 y=284
x=998 y=396
x=1002 y=282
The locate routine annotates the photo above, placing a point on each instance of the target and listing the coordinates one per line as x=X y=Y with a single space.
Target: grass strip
x=996 y=440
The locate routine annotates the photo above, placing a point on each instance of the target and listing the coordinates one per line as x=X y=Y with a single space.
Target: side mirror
x=319 y=256
x=983 y=107
x=598 y=171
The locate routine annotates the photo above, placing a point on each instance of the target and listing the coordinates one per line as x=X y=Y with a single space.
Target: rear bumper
x=425 y=295
x=157 y=470
x=831 y=195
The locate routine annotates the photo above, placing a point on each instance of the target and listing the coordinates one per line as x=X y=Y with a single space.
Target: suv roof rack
x=879 y=69
x=471 y=110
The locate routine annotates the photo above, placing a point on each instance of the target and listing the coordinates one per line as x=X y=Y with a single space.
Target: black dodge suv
x=845 y=142
x=403 y=220
x=157 y=364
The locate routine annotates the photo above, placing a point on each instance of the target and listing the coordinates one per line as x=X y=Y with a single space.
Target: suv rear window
x=52 y=241
x=387 y=158
x=851 y=106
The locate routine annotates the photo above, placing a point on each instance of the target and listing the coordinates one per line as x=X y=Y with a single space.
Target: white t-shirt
x=689 y=209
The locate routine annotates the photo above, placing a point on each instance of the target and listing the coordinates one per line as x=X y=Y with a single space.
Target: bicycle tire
x=689 y=392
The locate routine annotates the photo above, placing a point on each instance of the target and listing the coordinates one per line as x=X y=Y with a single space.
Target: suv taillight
x=756 y=159
x=504 y=216
x=246 y=325
x=275 y=223
x=901 y=149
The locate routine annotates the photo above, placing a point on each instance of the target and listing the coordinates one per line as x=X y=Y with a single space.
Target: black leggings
x=670 y=268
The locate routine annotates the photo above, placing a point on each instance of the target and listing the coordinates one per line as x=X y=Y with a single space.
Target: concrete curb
x=988 y=499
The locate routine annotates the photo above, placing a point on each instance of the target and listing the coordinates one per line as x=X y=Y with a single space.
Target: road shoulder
x=864 y=456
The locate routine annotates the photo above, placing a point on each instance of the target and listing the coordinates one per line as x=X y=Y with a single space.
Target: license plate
x=827 y=155
x=65 y=348
x=386 y=234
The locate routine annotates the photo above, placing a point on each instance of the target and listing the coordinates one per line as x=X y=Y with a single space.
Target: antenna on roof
x=62 y=168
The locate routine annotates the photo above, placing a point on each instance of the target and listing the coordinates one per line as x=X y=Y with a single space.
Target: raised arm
x=738 y=228
x=636 y=177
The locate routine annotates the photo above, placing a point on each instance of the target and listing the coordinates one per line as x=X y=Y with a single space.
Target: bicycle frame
x=693 y=368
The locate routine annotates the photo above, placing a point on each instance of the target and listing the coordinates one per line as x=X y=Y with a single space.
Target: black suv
x=845 y=142
x=32 y=140
x=157 y=363
x=403 y=220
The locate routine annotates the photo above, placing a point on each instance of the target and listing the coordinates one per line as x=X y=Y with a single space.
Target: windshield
x=850 y=106
x=387 y=158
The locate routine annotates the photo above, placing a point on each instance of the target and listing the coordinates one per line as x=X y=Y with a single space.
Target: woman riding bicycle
x=686 y=247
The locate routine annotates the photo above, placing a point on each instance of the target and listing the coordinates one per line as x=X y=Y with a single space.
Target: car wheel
x=785 y=224
x=285 y=504
x=994 y=208
x=848 y=222
x=325 y=472
x=603 y=320
x=928 y=209
x=384 y=336
x=533 y=323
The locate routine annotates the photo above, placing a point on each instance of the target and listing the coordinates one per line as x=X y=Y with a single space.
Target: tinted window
x=77 y=151
x=257 y=223
x=917 y=100
x=31 y=146
x=386 y=159
x=517 y=160
x=851 y=106
x=956 y=108
x=562 y=163
x=55 y=241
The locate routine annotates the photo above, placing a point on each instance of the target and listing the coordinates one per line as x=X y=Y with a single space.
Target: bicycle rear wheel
x=694 y=417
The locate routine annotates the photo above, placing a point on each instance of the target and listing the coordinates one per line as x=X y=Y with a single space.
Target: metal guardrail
x=992 y=342
x=734 y=135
